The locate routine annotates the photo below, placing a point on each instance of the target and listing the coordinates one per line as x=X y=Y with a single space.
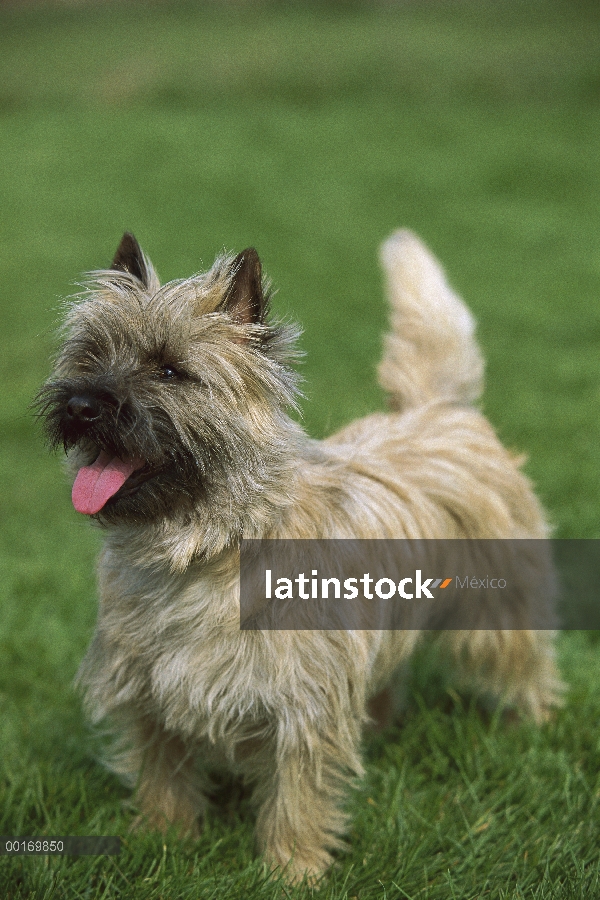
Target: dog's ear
x=130 y=258
x=245 y=300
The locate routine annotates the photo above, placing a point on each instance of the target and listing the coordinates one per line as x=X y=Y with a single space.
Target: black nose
x=83 y=408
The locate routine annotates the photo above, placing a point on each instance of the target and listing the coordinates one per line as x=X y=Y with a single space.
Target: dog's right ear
x=130 y=258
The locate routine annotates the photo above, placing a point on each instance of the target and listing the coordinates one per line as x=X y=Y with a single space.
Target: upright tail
x=430 y=353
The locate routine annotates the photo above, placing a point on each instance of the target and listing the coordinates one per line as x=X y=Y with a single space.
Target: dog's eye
x=166 y=373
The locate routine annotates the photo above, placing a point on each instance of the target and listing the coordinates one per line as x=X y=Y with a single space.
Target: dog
x=173 y=404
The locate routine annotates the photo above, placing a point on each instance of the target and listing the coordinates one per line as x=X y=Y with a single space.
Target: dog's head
x=167 y=398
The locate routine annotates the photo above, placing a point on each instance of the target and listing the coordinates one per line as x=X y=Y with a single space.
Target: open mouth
x=96 y=484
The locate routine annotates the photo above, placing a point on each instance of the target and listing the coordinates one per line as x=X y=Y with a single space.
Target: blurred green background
x=310 y=131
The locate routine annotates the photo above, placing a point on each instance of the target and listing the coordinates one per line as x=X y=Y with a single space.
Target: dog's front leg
x=300 y=817
x=167 y=791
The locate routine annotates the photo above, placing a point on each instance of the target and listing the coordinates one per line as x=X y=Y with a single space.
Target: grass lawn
x=310 y=131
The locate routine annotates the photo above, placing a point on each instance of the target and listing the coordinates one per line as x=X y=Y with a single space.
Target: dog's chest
x=178 y=640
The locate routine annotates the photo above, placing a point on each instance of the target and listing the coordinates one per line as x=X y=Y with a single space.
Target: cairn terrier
x=172 y=403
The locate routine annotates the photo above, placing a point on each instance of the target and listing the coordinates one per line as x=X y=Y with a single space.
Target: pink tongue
x=95 y=484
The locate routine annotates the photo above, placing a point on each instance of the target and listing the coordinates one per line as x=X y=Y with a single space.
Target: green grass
x=309 y=131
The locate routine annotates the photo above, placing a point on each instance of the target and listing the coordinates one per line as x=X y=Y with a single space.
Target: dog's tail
x=431 y=353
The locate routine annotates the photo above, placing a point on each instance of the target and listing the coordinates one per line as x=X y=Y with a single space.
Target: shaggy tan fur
x=169 y=665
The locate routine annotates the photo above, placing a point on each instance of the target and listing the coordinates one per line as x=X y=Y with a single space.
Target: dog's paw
x=300 y=868
x=541 y=701
x=157 y=821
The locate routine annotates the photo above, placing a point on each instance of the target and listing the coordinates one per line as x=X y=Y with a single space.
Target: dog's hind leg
x=515 y=668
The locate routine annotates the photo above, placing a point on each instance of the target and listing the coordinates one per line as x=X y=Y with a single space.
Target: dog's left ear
x=245 y=300
x=130 y=258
